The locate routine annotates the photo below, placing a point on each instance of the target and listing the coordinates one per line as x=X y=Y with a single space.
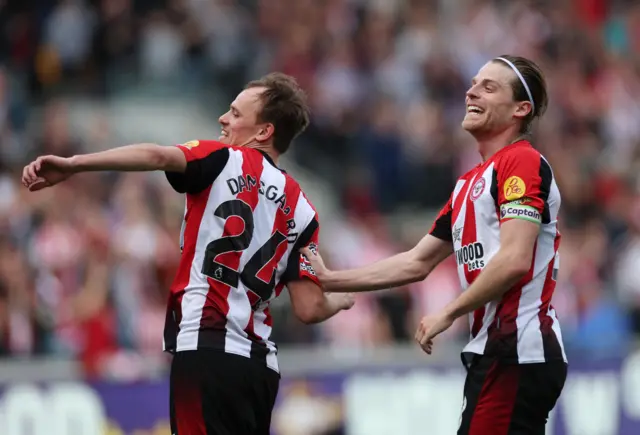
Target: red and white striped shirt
x=244 y=222
x=515 y=183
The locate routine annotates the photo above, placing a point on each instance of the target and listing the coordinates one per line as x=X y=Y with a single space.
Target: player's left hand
x=430 y=327
x=46 y=171
x=314 y=258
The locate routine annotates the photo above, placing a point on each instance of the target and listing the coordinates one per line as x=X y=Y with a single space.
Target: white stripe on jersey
x=264 y=217
x=195 y=294
x=557 y=330
x=459 y=185
x=304 y=213
x=478 y=344
x=263 y=330
x=483 y=232
x=487 y=225
x=530 y=345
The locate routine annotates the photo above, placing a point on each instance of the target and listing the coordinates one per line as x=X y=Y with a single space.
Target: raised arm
x=139 y=157
x=47 y=171
x=190 y=167
x=406 y=267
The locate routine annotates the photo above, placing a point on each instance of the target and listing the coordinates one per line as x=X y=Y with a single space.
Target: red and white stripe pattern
x=522 y=327
x=209 y=313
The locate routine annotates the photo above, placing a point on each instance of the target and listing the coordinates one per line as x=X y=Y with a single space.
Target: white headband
x=524 y=83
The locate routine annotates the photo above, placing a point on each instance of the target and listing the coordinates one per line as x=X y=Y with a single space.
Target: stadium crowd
x=85 y=267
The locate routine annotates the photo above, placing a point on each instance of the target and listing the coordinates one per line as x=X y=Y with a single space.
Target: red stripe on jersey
x=216 y=307
x=469 y=236
x=268 y=320
x=280 y=287
x=292 y=193
x=478 y=317
x=549 y=283
x=462 y=195
x=196 y=204
x=504 y=328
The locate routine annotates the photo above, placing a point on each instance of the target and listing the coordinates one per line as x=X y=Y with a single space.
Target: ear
x=266 y=132
x=523 y=108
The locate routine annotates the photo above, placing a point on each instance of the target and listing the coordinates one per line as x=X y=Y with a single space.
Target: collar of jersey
x=271 y=162
x=521 y=142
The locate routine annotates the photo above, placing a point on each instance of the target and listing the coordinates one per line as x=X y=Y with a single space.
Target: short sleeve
x=523 y=178
x=205 y=161
x=299 y=266
x=441 y=227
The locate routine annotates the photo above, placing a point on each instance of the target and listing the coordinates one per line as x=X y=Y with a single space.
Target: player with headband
x=501 y=225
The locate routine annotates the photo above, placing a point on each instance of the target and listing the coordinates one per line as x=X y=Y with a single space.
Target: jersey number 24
x=238 y=243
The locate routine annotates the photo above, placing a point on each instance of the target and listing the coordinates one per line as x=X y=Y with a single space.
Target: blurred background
x=85 y=267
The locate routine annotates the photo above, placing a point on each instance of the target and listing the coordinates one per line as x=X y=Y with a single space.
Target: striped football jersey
x=515 y=183
x=244 y=221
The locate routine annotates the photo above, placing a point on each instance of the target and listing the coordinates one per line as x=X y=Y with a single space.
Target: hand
x=46 y=171
x=312 y=256
x=430 y=327
x=344 y=301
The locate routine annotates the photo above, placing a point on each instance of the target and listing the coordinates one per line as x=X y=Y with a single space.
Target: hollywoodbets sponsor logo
x=472 y=255
x=518 y=211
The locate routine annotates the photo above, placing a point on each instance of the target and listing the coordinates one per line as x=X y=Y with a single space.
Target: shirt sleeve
x=523 y=181
x=205 y=161
x=299 y=266
x=441 y=227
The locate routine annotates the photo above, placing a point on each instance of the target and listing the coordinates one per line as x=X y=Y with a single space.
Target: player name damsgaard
x=240 y=184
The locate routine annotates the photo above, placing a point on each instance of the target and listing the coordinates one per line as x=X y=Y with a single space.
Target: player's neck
x=488 y=146
x=268 y=150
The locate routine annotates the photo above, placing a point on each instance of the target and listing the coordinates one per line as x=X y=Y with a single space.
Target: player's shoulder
x=302 y=196
x=520 y=150
x=303 y=202
x=202 y=143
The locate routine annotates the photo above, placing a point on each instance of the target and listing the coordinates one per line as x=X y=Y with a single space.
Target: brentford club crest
x=477 y=189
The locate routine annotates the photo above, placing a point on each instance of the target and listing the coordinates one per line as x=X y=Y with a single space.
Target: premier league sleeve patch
x=517 y=210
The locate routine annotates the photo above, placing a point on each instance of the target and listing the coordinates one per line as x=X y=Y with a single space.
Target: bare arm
x=47 y=171
x=510 y=264
x=311 y=305
x=406 y=267
x=139 y=157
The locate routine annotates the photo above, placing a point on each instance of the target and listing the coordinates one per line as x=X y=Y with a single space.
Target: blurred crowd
x=85 y=267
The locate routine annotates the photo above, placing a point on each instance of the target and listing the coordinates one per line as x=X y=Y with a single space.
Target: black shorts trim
x=217 y=393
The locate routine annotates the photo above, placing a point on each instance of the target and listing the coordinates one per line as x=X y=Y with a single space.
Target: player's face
x=240 y=124
x=489 y=104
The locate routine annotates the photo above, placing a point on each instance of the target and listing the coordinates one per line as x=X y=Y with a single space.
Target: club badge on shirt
x=477 y=189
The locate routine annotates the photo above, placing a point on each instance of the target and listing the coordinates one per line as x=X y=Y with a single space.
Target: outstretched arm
x=139 y=157
x=410 y=266
x=49 y=170
x=190 y=167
